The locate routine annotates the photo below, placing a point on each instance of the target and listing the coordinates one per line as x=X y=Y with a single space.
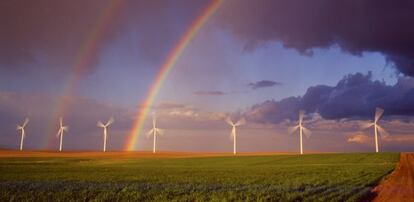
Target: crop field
x=313 y=177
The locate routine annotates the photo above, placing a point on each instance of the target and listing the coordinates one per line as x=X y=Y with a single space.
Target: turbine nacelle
x=62 y=128
x=110 y=121
x=242 y=121
x=293 y=129
x=305 y=131
x=105 y=126
x=301 y=128
x=154 y=131
x=21 y=127
x=378 y=115
x=377 y=128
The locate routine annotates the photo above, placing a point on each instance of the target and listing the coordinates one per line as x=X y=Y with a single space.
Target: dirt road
x=400 y=185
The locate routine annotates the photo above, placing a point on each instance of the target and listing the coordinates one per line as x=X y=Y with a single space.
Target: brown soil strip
x=400 y=184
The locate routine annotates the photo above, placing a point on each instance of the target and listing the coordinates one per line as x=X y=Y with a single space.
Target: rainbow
x=169 y=63
x=84 y=57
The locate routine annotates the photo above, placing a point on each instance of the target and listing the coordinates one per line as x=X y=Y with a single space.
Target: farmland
x=312 y=177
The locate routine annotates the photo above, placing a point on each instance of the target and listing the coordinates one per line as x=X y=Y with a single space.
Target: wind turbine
x=154 y=131
x=233 y=130
x=60 y=132
x=105 y=126
x=302 y=129
x=21 y=128
x=377 y=128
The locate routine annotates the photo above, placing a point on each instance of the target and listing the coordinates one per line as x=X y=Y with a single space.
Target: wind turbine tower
x=154 y=132
x=23 y=134
x=105 y=127
x=302 y=130
x=377 y=128
x=242 y=121
x=62 y=129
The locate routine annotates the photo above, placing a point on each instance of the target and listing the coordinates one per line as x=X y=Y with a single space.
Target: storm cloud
x=356 y=26
x=263 y=84
x=54 y=34
x=354 y=97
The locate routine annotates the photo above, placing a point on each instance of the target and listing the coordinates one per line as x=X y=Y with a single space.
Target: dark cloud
x=274 y=112
x=214 y=92
x=355 y=96
x=53 y=34
x=356 y=26
x=46 y=30
x=263 y=84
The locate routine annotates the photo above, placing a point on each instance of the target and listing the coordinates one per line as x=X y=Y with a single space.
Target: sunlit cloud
x=360 y=138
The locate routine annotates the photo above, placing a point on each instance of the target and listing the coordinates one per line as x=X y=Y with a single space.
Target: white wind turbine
x=377 y=128
x=60 y=132
x=302 y=130
x=233 y=130
x=23 y=134
x=105 y=126
x=154 y=131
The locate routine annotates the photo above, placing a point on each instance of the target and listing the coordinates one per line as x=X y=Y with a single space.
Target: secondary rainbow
x=169 y=63
x=84 y=57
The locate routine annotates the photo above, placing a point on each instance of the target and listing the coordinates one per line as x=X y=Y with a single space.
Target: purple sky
x=263 y=60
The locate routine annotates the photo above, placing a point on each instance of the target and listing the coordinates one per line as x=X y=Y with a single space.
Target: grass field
x=315 y=177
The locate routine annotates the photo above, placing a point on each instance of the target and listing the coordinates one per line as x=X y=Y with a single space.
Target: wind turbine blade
x=382 y=131
x=307 y=132
x=365 y=125
x=19 y=127
x=301 y=115
x=154 y=120
x=242 y=121
x=110 y=121
x=229 y=121
x=292 y=129
x=58 y=134
x=25 y=122
x=378 y=113
x=100 y=124
x=150 y=132
x=61 y=122
x=160 y=131
x=65 y=128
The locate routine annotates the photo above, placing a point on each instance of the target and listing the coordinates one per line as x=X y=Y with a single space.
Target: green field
x=317 y=177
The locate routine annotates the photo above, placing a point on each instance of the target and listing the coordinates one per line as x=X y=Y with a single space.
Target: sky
x=260 y=60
